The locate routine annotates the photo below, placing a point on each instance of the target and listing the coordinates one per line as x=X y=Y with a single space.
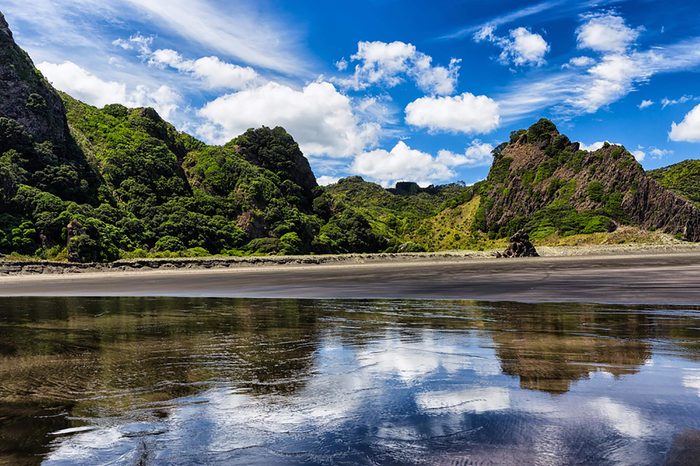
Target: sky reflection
x=268 y=382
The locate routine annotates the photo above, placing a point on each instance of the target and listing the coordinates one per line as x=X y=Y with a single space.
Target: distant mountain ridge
x=84 y=184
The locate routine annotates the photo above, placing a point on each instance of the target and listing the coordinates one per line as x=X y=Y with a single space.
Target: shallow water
x=220 y=381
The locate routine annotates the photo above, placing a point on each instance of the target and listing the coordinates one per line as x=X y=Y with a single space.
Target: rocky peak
x=542 y=181
x=25 y=96
x=4 y=27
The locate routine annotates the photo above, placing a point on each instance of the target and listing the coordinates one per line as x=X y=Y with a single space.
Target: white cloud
x=639 y=155
x=665 y=102
x=659 y=153
x=85 y=86
x=505 y=19
x=577 y=90
x=341 y=65
x=610 y=79
x=325 y=180
x=476 y=155
x=581 y=61
x=596 y=145
x=465 y=113
x=239 y=30
x=521 y=47
x=645 y=103
x=320 y=118
x=572 y=91
x=605 y=32
x=400 y=164
x=525 y=48
x=688 y=129
x=82 y=84
x=235 y=29
x=389 y=63
x=214 y=72
x=403 y=163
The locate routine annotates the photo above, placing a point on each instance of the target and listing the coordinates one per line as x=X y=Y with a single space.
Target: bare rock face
x=520 y=246
x=25 y=96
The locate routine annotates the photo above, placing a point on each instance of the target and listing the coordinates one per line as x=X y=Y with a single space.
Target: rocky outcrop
x=520 y=246
x=25 y=96
x=541 y=169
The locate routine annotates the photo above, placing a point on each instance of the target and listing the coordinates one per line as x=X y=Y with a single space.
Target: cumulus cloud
x=320 y=118
x=325 y=180
x=639 y=154
x=85 y=86
x=659 y=153
x=402 y=163
x=464 y=113
x=211 y=70
x=605 y=32
x=645 y=103
x=688 y=130
x=390 y=63
x=476 y=155
x=524 y=48
x=520 y=47
x=214 y=72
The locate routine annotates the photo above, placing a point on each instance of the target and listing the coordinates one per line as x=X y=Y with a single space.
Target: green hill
x=543 y=182
x=682 y=178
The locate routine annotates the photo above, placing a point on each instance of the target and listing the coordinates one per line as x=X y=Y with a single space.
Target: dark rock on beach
x=520 y=246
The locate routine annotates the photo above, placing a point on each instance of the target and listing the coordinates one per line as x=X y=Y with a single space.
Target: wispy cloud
x=504 y=19
x=572 y=92
x=236 y=30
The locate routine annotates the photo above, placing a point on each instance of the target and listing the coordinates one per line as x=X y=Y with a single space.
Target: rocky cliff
x=543 y=182
x=25 y=96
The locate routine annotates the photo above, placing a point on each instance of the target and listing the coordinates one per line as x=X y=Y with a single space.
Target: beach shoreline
x=624 y=276
x=9 y=267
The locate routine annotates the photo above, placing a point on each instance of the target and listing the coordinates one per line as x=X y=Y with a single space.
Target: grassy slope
x=683 y=178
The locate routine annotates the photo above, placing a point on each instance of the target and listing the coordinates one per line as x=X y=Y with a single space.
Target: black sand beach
x=648 y=279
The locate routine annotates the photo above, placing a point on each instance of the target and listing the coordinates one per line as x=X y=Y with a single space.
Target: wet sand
x=623 y=279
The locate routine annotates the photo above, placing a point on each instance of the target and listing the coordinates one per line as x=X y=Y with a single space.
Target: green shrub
x=595 y=191
x=290 y=244
x=169 y=243
x=263 y=246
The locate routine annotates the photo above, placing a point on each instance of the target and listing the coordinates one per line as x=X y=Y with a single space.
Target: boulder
x=520 y=246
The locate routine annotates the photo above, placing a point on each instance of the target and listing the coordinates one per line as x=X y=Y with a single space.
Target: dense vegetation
x=682 y=178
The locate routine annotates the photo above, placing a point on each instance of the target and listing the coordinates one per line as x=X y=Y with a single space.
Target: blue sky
x=385 y=89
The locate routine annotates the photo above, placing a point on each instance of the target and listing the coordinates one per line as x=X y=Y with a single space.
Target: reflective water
x=215 y=381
